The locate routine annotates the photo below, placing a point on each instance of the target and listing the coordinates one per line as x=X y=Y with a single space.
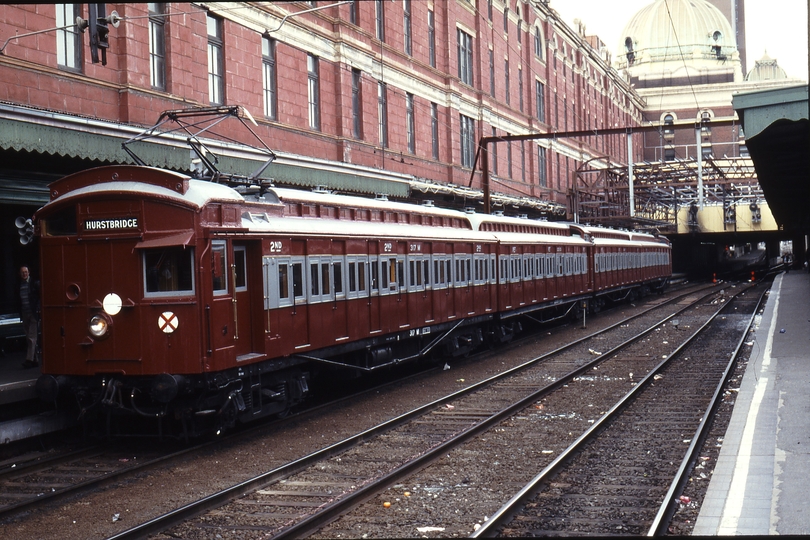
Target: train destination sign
x=111 y=224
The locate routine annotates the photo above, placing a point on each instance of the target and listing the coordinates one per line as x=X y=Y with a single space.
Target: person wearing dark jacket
x=29 y=314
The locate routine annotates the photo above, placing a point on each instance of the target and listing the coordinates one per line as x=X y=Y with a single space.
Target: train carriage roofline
x=165 y=184
x=287 y=195
x=539 y=239
x=478 y=220
x=295 y=226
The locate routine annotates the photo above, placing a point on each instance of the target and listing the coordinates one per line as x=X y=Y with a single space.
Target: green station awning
x=174 y=155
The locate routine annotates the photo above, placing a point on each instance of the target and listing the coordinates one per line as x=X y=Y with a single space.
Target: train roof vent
x=498 y=213
x=380 y=197
x=523 y=216
x=469 y=210
x=428 y=203
x=321 y=189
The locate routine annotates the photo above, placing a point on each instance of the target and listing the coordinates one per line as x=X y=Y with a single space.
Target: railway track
x=626 y=473
x=298 y=498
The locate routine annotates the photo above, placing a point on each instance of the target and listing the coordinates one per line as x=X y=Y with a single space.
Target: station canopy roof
x=777 y=133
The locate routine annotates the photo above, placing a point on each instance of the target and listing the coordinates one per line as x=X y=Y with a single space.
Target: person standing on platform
x=29 y=314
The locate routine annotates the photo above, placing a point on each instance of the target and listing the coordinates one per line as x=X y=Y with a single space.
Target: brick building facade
x=371 y=96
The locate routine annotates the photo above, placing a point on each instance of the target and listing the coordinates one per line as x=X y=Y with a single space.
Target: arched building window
x=669 y=131
x=630 y=53
x=538 y=42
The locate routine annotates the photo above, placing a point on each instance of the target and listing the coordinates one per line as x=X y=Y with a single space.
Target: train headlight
x=99 y=325
x=112 y=304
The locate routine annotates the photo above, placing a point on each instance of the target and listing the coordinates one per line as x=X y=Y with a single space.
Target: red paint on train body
x=173 y=294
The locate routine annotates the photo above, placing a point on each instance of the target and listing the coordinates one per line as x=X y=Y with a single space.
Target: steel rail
x=489 y=528
x=670 y=503
x=215 y=500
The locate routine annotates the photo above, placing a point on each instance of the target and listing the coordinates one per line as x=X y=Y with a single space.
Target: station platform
x=16 y=382
x=761 y=482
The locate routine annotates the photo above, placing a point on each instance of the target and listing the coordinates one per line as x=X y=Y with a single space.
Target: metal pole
x=485 y=176
x=630 y=172
x=699 y=158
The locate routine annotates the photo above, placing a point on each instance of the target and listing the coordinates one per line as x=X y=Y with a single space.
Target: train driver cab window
x=168 y=271
x=61 y=223
x=219 y=266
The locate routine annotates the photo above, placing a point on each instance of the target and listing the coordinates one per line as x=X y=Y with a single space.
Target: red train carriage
x=627 y=264
x=187 y=301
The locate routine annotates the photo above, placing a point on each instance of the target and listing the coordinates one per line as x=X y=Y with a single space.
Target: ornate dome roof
x=671 y=34
x=766 y=69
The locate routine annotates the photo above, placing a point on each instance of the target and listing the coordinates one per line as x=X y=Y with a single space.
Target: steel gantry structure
x=602 y=196
x=645 y=195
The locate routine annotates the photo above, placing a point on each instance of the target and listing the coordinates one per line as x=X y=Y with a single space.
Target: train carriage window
x=284 y=288
x=400 y=274
x=437 y=273
x=527 y=267
x=426 y=271
x=357 y=268
x=298 y=281
x=558 y=266
x=168 y=271
x=314 y=282
x=240 y=264
x=448 y=270
x=493 y=274
x=326 y=286
x=416 y=273
x=445 y=275
x=514 y=268
x=352 y=278
x=219 y=267
x=337 y=274
x=504 y=277
x=477 y=270
x=323 y=277
x=374 y=274
x=283 y=282
x=384 y=276
x=362 y=280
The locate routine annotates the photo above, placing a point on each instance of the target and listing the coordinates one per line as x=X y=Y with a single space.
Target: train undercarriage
x=179 y=406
